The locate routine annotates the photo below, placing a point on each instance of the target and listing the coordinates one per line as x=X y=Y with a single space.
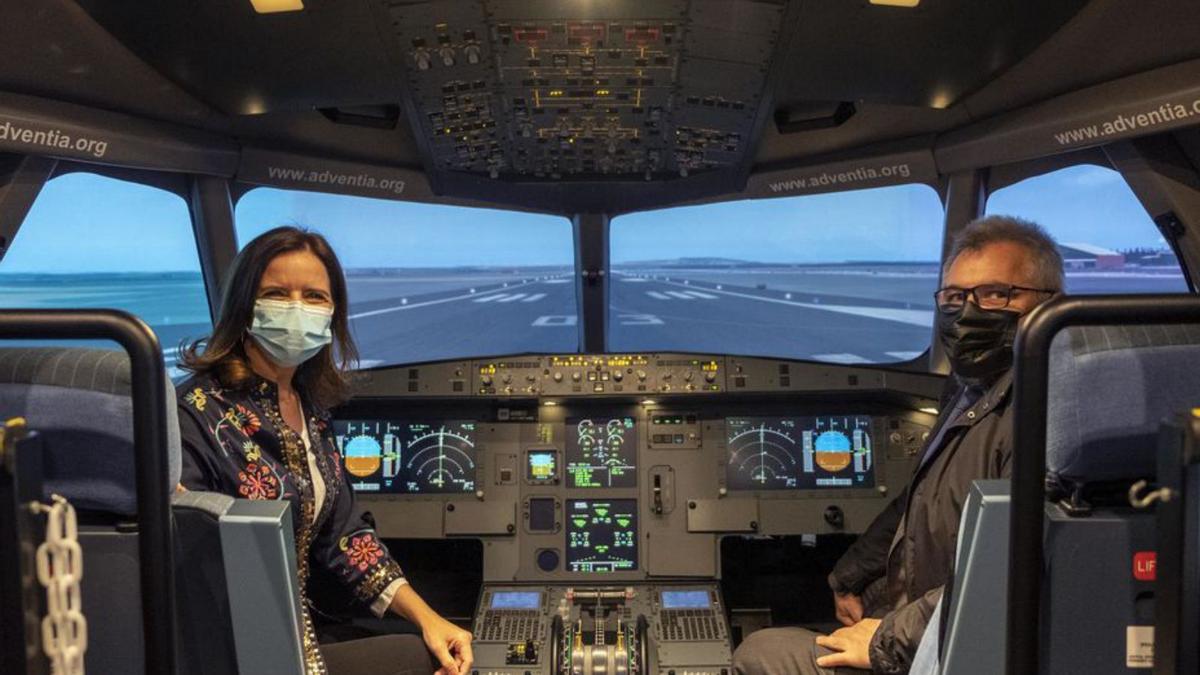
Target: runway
x=849 y=314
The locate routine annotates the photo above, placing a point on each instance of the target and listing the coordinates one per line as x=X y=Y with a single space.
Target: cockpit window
x=844 y=278
x=1108 y=242
x=430 y=281
x=91 y=242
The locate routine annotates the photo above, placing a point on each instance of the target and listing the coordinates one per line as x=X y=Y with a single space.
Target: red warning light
x=536 y=34
x=587 y=33
x=642 y=35
x=1145 y=564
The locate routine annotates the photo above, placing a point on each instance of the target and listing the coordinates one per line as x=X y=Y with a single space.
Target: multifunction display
x=602 y=535
x=800 y=453
x=405 y=457
x=601 y=452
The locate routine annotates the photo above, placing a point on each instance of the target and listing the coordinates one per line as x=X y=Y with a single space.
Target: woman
x=255 y=426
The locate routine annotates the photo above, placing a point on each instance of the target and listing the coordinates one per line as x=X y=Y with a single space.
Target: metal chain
x=59 y=569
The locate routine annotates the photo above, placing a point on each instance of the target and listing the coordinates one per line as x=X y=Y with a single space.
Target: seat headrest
x=1109 y=388
x=79 y=401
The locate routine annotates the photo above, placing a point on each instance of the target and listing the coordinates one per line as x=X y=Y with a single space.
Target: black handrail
x=148 y=377
x=1032 y=361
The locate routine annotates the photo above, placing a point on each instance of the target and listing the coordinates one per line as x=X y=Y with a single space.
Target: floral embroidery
x=258 y=482
x=197 y=398
x=252 y=451
x=363 y=551
x=244 y=419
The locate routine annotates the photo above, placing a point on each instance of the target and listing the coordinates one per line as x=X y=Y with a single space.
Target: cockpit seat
x=1110 y=387
x=235 y=561
x=78 y=399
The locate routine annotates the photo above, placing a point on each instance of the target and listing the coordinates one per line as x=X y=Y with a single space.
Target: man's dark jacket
x=909 y=549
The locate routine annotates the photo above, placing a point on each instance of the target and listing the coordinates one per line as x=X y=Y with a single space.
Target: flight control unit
x=602 y=486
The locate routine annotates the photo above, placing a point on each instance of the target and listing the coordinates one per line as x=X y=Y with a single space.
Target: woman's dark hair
x=322 y=379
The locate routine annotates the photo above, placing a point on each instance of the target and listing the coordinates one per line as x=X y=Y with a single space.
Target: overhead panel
x=541 y=89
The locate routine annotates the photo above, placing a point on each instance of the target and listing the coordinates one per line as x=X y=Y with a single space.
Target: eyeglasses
x=950 y=300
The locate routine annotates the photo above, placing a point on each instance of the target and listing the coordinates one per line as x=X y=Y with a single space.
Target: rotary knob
x=618 y=376
x=710 y=376
x=506 y=378
x=576 y=376
x=486 y=380
x=558 y=376
x=641 y=375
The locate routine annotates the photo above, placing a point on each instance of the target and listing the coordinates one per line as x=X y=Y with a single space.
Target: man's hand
x=849 y=608
x=450 y=645
x=853 y=645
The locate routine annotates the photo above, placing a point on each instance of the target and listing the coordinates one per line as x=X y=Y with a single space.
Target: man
x=889 y=582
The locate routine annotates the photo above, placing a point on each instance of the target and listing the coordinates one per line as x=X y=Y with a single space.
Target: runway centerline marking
x=840 y=358
x=535 y=297
x=913 y=317
x=400 y=308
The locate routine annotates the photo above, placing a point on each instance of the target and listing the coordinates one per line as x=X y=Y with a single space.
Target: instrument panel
x=602 y=486
x=405 y=457
x=787 y=453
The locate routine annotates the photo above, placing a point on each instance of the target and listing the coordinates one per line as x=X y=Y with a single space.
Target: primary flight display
x=408 y=457
x=800 y=453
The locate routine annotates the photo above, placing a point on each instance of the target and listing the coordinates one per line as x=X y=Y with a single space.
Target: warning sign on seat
x=1139 y=646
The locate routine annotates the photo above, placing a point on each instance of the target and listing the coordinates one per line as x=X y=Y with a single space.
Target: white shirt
x=380 y=606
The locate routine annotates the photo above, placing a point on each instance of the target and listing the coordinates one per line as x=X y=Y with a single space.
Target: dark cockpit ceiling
x=580 y=105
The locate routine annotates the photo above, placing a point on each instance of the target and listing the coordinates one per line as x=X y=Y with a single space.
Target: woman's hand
x=449 y=644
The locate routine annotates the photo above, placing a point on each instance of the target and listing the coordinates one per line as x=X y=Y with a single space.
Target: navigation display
x=686 y=600
x=800 y=453
x=516 y=600
x=602 y=535
x=404 y=457
x=601 y=452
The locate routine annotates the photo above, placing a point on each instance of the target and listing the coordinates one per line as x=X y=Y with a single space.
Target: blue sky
x=83 y=222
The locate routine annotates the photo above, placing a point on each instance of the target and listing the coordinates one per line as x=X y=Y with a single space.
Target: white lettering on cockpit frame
x=333 y=178
x=55 y=139
x=848 y=177
x=1127 y=124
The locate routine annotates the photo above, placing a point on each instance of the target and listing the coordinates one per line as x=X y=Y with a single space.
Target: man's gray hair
x=1045 y=263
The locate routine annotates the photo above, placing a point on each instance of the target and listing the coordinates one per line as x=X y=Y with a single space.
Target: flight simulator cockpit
x=602 y=486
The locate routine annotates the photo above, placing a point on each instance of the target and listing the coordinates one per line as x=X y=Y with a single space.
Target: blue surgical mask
x=291 y=332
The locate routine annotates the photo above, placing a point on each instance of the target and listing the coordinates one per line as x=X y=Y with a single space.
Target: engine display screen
x=601 y=452
x=516 y=600
x=800 y=453
x=686 y=600
x=602 y=535
x=405 y=457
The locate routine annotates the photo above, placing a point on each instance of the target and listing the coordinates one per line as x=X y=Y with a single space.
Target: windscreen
x=846 y=277
x=431 y=281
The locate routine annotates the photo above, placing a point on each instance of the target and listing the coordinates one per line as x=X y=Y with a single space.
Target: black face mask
x=978 y=342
